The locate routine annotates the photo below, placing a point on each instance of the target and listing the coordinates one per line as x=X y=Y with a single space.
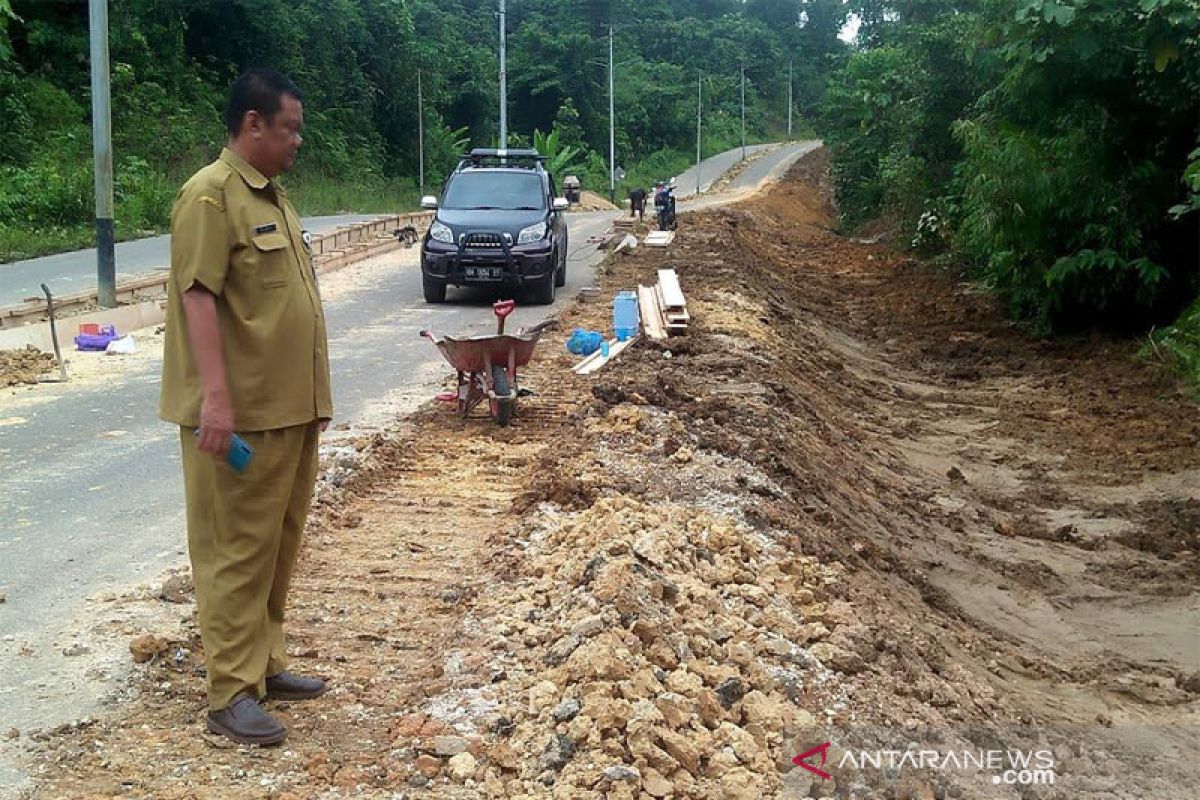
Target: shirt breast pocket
x=271 y=250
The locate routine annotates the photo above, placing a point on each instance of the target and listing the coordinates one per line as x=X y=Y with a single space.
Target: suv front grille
x=486 y=240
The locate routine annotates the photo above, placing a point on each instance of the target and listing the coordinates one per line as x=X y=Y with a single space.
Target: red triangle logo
x=801 y=760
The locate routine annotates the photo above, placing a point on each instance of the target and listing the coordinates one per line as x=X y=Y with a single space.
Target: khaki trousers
x=243 y=537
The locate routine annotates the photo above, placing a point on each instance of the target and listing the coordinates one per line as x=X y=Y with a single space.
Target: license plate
x=485 y=273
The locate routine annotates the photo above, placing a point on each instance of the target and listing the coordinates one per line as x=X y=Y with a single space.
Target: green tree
x=1047 y=136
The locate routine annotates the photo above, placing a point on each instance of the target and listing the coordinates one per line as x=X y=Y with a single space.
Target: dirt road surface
x=852 y=507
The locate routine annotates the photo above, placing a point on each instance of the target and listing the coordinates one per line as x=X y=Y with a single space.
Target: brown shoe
x=245 y=722
x=287 y=686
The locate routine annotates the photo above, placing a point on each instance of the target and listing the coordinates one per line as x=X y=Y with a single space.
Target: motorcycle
x=664 y=202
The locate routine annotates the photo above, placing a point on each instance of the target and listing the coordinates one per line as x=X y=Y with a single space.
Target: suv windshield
x=506 y=190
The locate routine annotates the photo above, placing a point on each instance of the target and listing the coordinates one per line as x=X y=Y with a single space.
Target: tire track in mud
x=390 y=567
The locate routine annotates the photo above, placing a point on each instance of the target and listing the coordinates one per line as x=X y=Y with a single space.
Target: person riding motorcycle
x=664 y=202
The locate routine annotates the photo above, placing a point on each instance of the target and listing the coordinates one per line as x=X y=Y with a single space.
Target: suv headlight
x=441 y=233
x=533 y=233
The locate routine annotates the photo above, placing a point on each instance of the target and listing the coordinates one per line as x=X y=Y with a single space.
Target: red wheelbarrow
x=487 y=365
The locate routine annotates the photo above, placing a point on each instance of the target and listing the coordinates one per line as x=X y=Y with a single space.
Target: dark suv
x=499 y=224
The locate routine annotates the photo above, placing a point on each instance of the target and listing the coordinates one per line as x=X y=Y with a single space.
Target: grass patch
x=318 y=195
x=658 y=166
x=17 y=243
x=146 y=211
x=1178 y=347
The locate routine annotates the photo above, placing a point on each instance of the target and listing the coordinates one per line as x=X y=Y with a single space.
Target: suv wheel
x=435 y=291
x=560 y=274
x=543 y=291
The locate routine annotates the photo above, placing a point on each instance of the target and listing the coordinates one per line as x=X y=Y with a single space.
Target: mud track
x=853 y=505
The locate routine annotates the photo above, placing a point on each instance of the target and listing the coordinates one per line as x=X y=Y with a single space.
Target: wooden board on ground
x=659 y=238
x=652 y=318
x=672 y=294
x=597 y=359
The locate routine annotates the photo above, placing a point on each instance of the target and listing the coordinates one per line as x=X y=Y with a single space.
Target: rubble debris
x=177 y=588
x=24 y=366
x=146 y=647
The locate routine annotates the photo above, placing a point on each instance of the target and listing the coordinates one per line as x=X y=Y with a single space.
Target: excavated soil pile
x=24 y=365
x=853 y=507
x=590 y=201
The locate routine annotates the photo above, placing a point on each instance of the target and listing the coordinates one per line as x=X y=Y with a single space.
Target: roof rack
x=483 y=156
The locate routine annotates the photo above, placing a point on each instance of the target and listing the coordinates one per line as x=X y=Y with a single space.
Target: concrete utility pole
x=743 y=112
x=503 y=76
x=789 y=101
x=421 y=130
x=699 y=124
x=612 y=125
x=106 y=259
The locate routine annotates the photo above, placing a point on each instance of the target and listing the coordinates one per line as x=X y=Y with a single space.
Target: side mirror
x=429 y=202
x=561 y=204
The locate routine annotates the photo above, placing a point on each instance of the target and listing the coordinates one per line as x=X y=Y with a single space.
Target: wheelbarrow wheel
x=502 y=410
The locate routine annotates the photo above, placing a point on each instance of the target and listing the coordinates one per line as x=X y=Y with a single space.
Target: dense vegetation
x=357 y=62
x=1049 y=144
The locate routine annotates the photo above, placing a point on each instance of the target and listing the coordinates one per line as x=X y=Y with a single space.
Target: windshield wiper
x=527 y=208
x=485 y=208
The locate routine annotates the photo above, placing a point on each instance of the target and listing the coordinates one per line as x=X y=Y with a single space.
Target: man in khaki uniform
x=246 y=351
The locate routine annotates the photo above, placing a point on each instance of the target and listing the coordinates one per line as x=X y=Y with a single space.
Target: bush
x=1043 y=141
x=1048 y=227
x=1178 y=346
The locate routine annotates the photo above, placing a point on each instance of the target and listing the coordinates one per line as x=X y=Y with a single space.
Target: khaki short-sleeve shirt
x=234 y=233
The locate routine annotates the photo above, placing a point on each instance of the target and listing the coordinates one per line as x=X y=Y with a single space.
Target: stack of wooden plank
x=663 y=307
x=652 y=319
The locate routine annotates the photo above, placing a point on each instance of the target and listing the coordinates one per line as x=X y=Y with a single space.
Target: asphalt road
x=90 y=489
x=711 y=169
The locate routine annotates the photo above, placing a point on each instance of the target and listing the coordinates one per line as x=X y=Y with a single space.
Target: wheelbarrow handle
x=502 y=308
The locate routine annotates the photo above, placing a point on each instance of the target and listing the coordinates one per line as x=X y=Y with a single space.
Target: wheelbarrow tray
x=472 y=354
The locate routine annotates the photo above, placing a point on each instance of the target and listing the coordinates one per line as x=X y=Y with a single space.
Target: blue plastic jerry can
x=626 y=319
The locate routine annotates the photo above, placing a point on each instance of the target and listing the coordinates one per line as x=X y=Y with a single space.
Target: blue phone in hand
x=240 y=453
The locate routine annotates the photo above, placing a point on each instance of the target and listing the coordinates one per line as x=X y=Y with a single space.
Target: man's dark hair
x=260 y=90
